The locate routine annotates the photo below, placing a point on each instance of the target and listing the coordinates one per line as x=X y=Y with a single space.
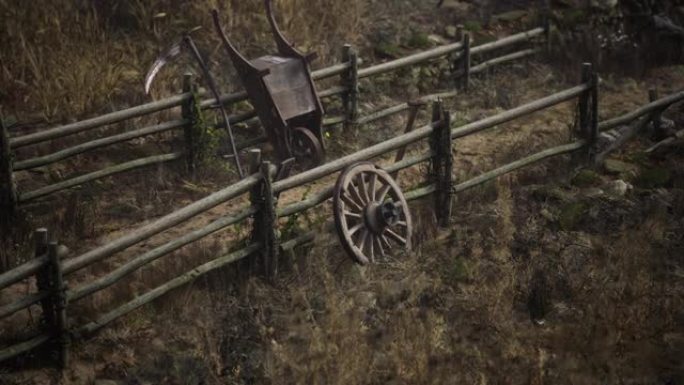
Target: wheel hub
x=378 y=216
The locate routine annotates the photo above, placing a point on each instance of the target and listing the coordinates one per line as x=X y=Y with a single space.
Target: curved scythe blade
x=161 y=60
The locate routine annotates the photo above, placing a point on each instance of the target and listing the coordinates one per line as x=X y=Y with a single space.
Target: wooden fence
x=347 y=70
x=261 y=187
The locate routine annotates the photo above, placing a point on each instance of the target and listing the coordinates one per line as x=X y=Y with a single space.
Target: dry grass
x=64 y=59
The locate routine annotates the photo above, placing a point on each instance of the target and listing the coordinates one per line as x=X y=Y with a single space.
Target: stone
x=617 y=188
x=571 y=215
x=618 y=167
x=586 y=178
x=451 y=32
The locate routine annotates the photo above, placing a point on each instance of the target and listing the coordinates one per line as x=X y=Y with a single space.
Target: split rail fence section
x=262 y=187
x=348 y=70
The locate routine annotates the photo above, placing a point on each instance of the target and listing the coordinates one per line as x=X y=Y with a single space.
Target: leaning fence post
x=657 y=126
x=583 y=103
x=189 y=113
x=466 y=62
x=545 y=12
x=8 y=192
x=59 y=299
x=442 y=163
x=266 y=220
x=350 y=80
x=43 y=276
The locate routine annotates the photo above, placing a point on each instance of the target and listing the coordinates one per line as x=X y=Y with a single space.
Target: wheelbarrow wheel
x=306 y=148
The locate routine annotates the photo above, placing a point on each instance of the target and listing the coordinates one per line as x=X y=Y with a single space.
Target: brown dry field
x=454 y=310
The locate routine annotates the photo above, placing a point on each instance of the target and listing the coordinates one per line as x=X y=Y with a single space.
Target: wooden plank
x=165 y=288
x=421 y=133
x=503 y=59
x=8 y=192
x=641 y=111
x=79 y=180
x=161 y=224
x=60 y=326
x=23 y=347
x=152 y=255
x=98 y=143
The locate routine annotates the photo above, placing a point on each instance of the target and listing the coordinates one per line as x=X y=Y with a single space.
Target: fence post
x=545 y=13
x=60 y=326
x=189 y=112
x=442 y=163
x=592 y=136
x=8 y=192
x=657 y=126
x=583 y=102
x=266 y=219
x=466 y=62
x=414 y=108
x=43 y=276
x=350 y=79
x=254 y=195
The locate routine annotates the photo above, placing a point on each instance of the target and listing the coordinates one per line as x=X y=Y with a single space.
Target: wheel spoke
x=352 y=214
x=361 y=187
x=354 y=193
x=378 y=243
x=371 y=248
x=355 y=228
x=396 y=237
x=362 y=239
x=347 y=199
x=402 y=224
x=385 y=241
x=373 y=179
x=383 y=192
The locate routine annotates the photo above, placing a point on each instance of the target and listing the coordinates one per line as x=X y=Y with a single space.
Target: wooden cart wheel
x=371 y=214
x=306 y=148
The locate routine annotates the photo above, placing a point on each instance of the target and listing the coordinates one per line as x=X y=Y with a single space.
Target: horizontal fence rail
x=42 y=262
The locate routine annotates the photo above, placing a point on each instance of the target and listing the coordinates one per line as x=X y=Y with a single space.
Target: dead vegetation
x=605 y=274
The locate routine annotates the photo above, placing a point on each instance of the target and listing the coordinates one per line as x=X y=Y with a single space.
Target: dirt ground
x=548 y=275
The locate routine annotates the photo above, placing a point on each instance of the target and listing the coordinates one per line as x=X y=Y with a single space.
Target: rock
x=436 y=39
x=546 y=214
x=618 y=167
x=593 y=192
x=451 y=32
x=617 y=188
x=511 y=16
x=62 y=251
x=586 y=178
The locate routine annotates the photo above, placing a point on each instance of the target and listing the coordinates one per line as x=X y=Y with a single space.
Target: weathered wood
x=165 y=288
x=40 y=239
x=8 y=191
x=23 y=347
x=323 y=195
x=657 y=126
x=22 y=271
x=421 y=133
x=23 y=303
x=409 y=60
x=266 y=221
x=350 y=80
x=82 y=179
x=414 y=108
x=190 y=116
x=152 y=255
x=641 y=111
x=506 y=41
x=503 y=59
x=442 y=164
x=466 y=61
x=583 y=103
x=98 y=143
x=377 y=115
x=60 y=327
x=520 y=163
x=162 y=224
x=145 y=109
x=592 y=134
x=678 y=136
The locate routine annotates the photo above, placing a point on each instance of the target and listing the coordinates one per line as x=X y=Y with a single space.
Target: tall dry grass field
x=61 y=60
